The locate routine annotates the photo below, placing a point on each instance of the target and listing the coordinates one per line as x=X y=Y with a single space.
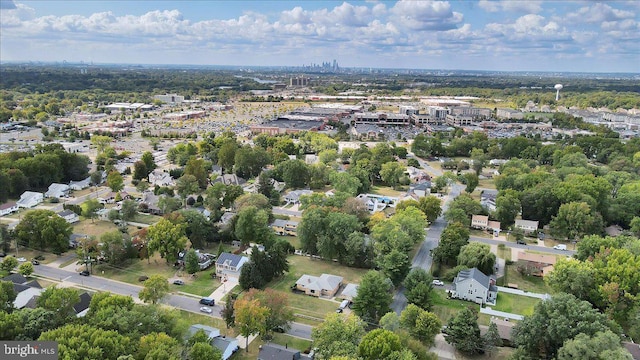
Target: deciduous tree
x=115 y=181
x=374 y=296
x=250 y=317
x=379 y=344
x=25 y=269
x=477 y=255
x=463 y=332
x=167 y=238
x=338 y=335
x=155 y=288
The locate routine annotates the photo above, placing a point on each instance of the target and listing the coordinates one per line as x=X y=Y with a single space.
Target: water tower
x=558 y=87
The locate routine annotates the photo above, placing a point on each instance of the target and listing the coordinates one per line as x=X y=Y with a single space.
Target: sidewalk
x=223 y=289
x=502 y=314
x=523 y=293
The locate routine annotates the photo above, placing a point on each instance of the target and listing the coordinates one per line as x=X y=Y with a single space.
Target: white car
x=437 y=282
x=22 y=259
x=206 y=310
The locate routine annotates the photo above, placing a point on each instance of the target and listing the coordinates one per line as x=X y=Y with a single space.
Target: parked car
x=206 y=309
x=207 y=301
x=560 y=247
x=437 y=282
x=22 y=259
x=279 y=329
x=521 y=242
x=35 y=262
x=84 y=273
x=2 y=255
x=178 y=282
x=143 y=278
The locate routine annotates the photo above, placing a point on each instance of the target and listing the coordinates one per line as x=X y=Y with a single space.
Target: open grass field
x=202 y=285
x=95 y=228
x=293 y=240
x=487 y=184
x=146 y=218
x=290 y=341
x=136 y=268
x=526 y=283
x=446 y=308
x=516 y=304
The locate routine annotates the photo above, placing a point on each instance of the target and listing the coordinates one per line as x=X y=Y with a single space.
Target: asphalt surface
x=183 y=302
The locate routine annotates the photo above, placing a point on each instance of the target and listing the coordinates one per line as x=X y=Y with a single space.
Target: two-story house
x=473 y=285
x=229 y=265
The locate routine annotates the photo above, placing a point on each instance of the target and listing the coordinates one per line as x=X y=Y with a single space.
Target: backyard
x=446 y=308
x=515 y=304
x=527 y=283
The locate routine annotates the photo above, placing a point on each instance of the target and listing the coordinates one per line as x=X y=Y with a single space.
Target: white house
x=528 y=226
x=421 y=189
x=29 y=199
x=293 y=197
x=57 y=190
x=473 y=285
x=79 y=185
x=160 y=178
x=229 y=265
x=69 y=216
x=323 y=285
x=8 y=208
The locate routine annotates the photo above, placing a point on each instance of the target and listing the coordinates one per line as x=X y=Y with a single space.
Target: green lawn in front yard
x=202 y=285
x=446 y=308
x=504 y=252
x=290 y=341
x=516 y=304
x=95 y=228
x=527 y=283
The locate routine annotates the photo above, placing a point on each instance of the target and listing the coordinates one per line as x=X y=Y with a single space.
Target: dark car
x=279 y=329
x=178 y=282
x=2 y=254
x=35 y=262
x=207 y=301
x=521 y=242
x=143 y=278
x=84 y=273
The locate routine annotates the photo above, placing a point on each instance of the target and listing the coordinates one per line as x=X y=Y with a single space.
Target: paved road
x=188 y=303
x=283 y=211
x=523 y=247
x=423 y=258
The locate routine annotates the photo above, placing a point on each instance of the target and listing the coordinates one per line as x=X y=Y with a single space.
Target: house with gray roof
x=57 y=190
x=8 y=208
x=271 y=351
x=227 y=345
x=293 y=197
x=29 y=199
x=473 y=285
x=79 y=185
x=229 y=265
x=69 y=216
x=528 y=226
x=323 y=285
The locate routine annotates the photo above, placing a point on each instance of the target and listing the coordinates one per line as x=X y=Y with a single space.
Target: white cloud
x=598 y=13
x=425 y=15
x=528 y=7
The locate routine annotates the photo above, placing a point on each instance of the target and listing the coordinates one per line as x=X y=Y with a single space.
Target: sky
x=502 y=35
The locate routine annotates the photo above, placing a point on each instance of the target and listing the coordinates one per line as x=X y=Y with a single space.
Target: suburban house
x=421 y=189
x=271 y=351
x=505 y=328
x=528 y=226
x=8 y=208
x=227 y=346
x=79 y=185
x=229 y=179
x=284 y=227
x=417 y=175
x=323 y=285
x=488 y=199
x=69 y=216
x=57 y=190
x=293 y=197
x=160 y=178
x=82 y=307
x=375 y=203
x=24 y=290
x=473 y=285
x=482 y=222
x=204 y=259
x=349 y=292
x=150 y=201
x=225 y=219
x=536 y=264
x=29 y=199
x=229 y=265
x=76 y=240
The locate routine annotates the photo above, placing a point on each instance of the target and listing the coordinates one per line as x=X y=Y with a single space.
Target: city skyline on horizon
x=533 y=36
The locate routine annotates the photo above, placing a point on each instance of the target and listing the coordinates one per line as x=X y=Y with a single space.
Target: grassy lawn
x=146 y=218
x=516 y=304
x=202 y=285
x=504 y=252
x=290 y=341
x=293 y=240
x=386 y=191
x=526 y=283
x=446 y=308
x=130 y=273
x=487 y=184
x=96 y=228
